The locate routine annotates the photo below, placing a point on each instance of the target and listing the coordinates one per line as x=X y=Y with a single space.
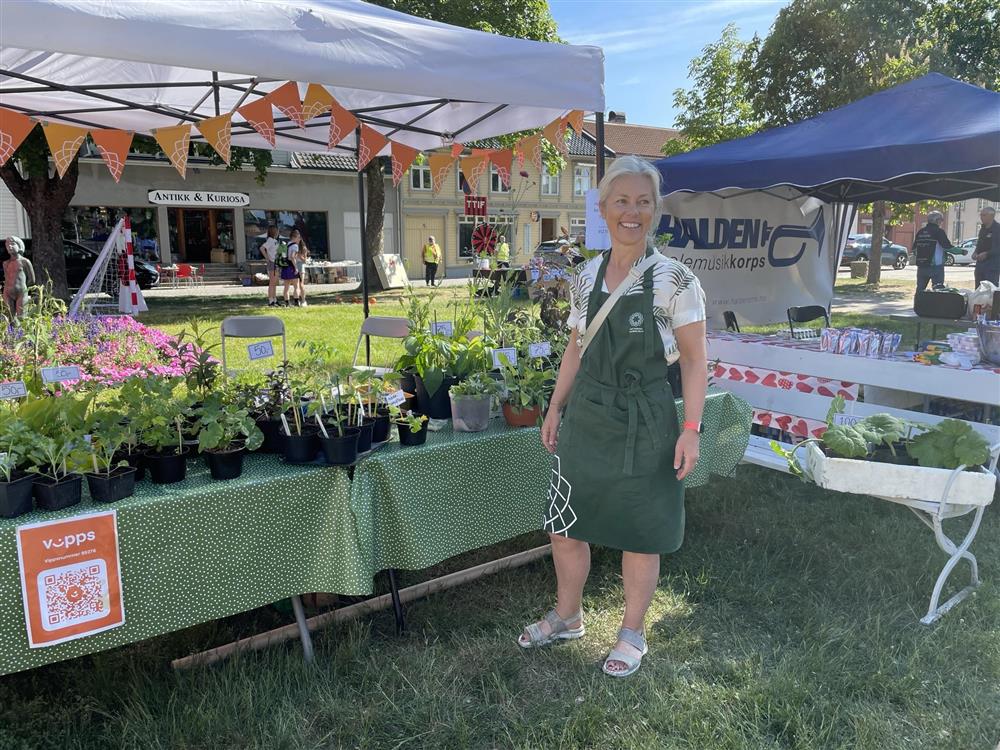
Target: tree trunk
x=374 y=211
x=45 y=200
x=875 y=256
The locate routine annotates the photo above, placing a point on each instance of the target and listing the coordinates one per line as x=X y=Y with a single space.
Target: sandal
x=635 y=639
x=560 y=631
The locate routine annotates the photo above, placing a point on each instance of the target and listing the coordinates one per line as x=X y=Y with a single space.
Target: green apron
x=613 y=477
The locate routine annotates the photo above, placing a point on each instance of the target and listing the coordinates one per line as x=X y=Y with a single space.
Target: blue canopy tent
x=933 y=137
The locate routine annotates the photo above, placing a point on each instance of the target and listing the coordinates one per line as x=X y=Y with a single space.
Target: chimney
x=618 y=117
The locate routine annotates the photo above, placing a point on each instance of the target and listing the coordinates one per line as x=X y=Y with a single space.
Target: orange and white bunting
x=175 y=142
x=64 y=141
x=530 y=149
x=218 y=132
x=502 y=159
x=473 y=168
x=555 y=133
x=14 y=128
x=440 y=165
x=316 y=102
x=371 y=143
x=402 y=157
x=113 y=146
x=575 y=120
x=286 y=98
x=260 y=117
x=342 y=123
x=456 y=150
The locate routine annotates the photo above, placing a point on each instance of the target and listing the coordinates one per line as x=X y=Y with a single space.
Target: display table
x=201 y=550
x=932 y=322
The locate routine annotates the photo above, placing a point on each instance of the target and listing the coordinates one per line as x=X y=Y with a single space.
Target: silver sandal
x=560 y=631
x=635 y=639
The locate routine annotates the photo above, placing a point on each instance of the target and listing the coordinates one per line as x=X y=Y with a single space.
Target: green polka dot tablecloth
x=200 y=550
x=416 y=506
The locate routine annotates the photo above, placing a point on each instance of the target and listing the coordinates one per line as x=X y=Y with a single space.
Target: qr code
x=73 y=594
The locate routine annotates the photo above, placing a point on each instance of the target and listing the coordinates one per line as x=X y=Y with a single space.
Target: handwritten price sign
x=541 y=349
x=13 y=389
x=507 y=354
x=60 y=374
x=261 y=350
x=396 y=399
x=445 y=328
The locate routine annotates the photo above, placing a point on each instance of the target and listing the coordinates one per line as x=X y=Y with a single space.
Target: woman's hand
x=685 y=454
x=550 y=429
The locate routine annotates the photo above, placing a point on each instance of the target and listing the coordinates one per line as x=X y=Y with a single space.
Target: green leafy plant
x=949 y=444
x=160 y=418
x=108 y=437
x=15 y=441
x=527 y=387
x=203 y=376
x=226 y=426
x=56 y=447
x=477 y=385
x=415 y=422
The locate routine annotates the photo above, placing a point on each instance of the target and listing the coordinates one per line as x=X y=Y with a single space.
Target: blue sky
x=648 y=44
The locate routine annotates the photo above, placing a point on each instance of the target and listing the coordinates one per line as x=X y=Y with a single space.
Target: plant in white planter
x=470 y=402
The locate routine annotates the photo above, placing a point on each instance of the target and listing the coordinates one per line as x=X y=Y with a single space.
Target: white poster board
x=597 y=236
x=391 y=271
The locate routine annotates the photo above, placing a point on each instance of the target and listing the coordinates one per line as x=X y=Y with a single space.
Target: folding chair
x=806 y=314
x=383 y=327
x=252 y=327
x=729 y=318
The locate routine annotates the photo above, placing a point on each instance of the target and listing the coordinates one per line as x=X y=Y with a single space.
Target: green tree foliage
x=964 y=40
x=522 y=19
x=717 y=108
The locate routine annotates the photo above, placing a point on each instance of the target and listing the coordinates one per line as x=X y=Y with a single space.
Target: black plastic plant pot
x=272 y=435
x=135 y=460
x=408 y=437
x=167 y=468
x=367 y=427
x=51 y=495
x=300 y=449
x=438 y=404
x=224 y=464
x=341 y=450
x=15 y=496
x=110 y=488
x=380 y=429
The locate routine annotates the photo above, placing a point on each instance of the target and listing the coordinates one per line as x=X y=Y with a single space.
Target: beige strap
x=631 y=277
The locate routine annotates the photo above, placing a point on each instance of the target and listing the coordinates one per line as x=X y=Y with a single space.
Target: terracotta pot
x=521 y=417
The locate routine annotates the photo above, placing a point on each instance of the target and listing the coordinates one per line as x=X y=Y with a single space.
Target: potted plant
x=272 y=395
x=161 y=426
x=299 y=440
x=337 y=440
x=470 y=402
x=56 y=449
x=226 y=432
x=528 y=392
x=112 y=478
x=410 y=425
x=15 y=485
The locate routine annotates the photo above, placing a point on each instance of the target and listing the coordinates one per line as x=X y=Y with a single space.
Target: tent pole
x=599 y=127
x=364 y=243
x=215 y=92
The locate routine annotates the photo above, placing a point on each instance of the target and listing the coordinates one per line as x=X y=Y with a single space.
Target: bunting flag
x=502 y=159
x=402 y=157
x=575 y=120
x=371 y=143
x=286 y=98
x=440 y=165
x=218 y=132
x=342 y=123
x=555 y=133
x=456 y=150
x=530 y=148
x=175 y=141
x=64 y=141
x=260 y=116
x=317 y=101
x=473 y=168
x=14 y=128
x=113 y=146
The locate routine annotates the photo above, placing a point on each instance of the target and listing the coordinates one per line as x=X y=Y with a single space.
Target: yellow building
x=534 y=209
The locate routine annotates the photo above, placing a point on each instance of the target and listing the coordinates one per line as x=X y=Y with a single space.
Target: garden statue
x=18 y=273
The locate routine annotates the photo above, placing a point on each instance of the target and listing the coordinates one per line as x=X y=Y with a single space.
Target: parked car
x=961 y=254
x=80 y=259
x=558 y=253
x=859 y=247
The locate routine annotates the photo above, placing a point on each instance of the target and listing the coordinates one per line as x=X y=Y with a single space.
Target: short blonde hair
x=633 y=165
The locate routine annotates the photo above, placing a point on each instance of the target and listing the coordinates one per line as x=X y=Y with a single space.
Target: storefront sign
x=475 y=205
x=198 y=198
x=70 y=578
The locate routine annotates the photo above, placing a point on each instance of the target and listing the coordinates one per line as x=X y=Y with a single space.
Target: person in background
x=18 y=275
x=269 y=251
x=928 y=247
x=287 y=263
x=301 y=258
x=100 y=233
x=503 y=253
x=431 y=257
x=987 y=255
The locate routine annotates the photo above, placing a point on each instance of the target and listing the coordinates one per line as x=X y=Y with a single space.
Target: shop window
x=467 y=224
x=582 y=179
x=92 y=225
x=311 y=225
x=550 y=183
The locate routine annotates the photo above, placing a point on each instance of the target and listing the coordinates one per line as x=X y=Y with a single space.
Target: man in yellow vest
x=431 y=257
x=503 y=253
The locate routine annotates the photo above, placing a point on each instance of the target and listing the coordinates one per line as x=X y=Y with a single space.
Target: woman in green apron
x=619 y=454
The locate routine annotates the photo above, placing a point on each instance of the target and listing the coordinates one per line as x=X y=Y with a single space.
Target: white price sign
x=541 y=349
x=13 y=389
x=507 y=354
x=444 y=327
x=846 y=419
x=60 y=374
x=396 y=399
x=261 y=350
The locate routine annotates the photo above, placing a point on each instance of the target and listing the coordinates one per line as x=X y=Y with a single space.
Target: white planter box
x=901 y=484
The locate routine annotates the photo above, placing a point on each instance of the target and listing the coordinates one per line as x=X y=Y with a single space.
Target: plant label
x=507 y=354
x=444 y=327
x=541 y=349
x=60 y=374
x=396 y=399
x=261 y=350
x=846 y=419
x=13 y=389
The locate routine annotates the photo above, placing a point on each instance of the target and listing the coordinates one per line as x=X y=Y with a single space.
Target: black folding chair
x=806 y=314
x=729 y=318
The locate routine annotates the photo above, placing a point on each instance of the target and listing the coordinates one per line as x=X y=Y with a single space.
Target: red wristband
x=696 y=426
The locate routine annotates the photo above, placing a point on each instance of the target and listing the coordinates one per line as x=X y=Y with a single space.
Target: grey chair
x=252 y=327
x=382 y=327
x=732 y=324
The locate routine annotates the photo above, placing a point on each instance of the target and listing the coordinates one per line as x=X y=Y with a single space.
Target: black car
x=80 y=259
